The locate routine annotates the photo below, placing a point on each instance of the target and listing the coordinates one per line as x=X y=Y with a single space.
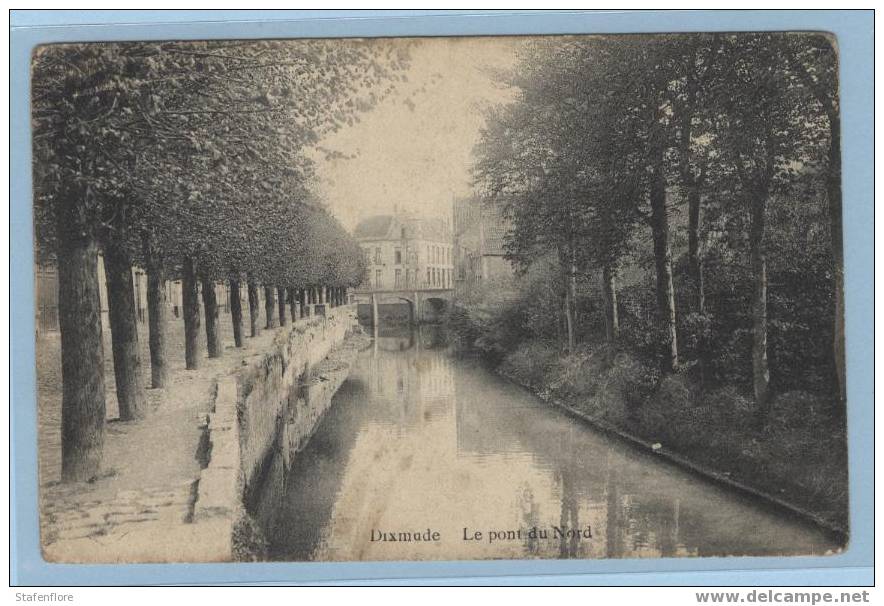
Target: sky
x=414 y=149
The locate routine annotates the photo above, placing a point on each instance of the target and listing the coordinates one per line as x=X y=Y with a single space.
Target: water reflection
x=419 y=439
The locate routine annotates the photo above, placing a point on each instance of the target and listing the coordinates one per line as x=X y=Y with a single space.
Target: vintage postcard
x=451 y=298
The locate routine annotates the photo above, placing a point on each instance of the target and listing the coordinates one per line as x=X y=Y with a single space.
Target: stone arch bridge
x=416 y=306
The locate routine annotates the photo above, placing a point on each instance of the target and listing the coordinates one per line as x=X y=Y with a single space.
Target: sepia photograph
x=441 y=298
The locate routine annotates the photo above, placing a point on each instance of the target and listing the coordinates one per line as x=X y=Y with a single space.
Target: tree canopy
x=198 y=148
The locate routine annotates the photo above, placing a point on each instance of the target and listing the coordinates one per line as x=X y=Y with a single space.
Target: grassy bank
x=799 y=456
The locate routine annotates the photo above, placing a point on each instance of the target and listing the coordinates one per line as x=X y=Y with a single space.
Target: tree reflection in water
x=418 y=438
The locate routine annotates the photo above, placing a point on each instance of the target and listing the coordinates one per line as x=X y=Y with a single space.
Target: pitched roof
x=377 y=226
x=433 y=229
x=383 y=227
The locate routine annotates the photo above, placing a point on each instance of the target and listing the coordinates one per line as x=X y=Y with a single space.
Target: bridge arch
x=412 y=309
x=430 y=305
x=434 y=309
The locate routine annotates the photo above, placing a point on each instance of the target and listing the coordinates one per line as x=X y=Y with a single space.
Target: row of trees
x=191 y=160
x=613 y=140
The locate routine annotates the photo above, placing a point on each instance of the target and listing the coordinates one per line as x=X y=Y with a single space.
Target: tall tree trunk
x=831 y=106
x=293 y=304
x=157 y=318
x=690 y=184
x=836 y=229
x=210 y=310
x=269 y=304
x=124 y=331
x=572 y=296
x=280 y=298
x=568 y=299
x=695 y=262
x=663 y=264
x=758 y=258
x=559 y=311
x=569 y=323
x=236 y=311
x=612 y=315
x=82 y=353
x=253 y=307
x=191 y=310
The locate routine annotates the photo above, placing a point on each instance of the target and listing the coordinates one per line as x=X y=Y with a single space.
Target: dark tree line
x=192 y=161
x=687 y=147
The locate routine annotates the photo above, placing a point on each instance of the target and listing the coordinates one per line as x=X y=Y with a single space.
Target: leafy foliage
x=199 y=149
x=745 y=124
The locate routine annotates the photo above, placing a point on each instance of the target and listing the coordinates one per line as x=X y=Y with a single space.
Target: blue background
x=855 y=32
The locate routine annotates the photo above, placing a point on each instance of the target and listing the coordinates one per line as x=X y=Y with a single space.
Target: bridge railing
x=402 y=289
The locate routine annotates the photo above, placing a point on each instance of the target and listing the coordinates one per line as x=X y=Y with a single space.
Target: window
x=428 y=276
x=398 y=278
x=377 y=278
x=377 y=255
x=397 y=253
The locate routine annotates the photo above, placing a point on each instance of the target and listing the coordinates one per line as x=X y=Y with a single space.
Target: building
x=406 y=252
x=46 y=277
x=479 y=236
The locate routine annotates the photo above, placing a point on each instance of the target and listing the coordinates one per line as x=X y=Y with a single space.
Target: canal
x=420 y=439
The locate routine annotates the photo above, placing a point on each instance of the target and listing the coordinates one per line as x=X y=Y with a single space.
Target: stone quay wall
x=270 y=407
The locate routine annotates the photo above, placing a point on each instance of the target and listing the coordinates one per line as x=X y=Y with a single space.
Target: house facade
x=479 y=236
x=405 y=252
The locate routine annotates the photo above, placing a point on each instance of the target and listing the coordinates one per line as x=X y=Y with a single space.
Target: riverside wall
x=263 y=415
